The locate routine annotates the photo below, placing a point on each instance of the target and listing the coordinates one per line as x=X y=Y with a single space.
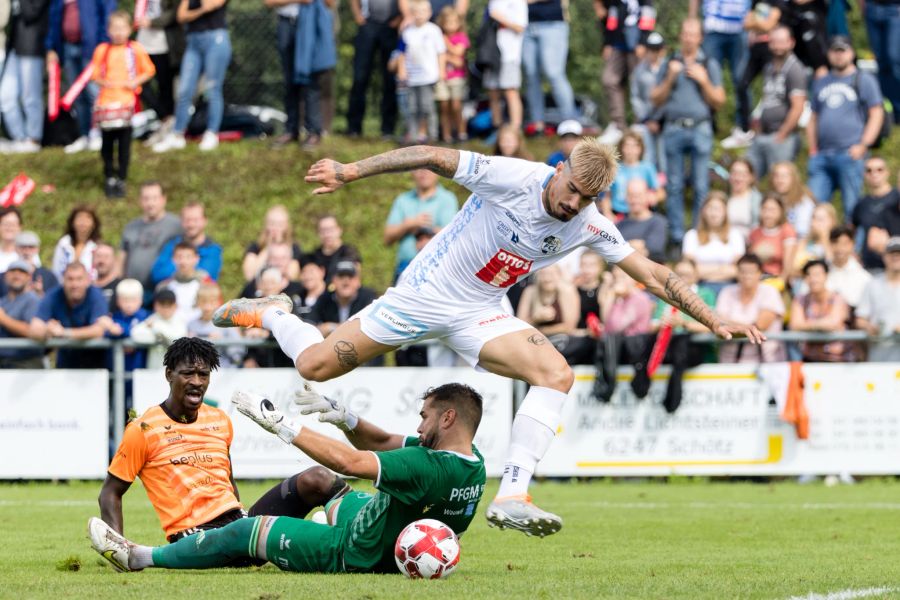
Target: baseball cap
x=345 y=267
x=164 y=296
x=655 y=41
x=27 y=267
x=840 y=41
x=569 y=127
x=893 y=245
x=28 y=239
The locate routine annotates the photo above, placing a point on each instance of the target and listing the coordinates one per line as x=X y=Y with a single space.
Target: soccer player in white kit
x=521 y=217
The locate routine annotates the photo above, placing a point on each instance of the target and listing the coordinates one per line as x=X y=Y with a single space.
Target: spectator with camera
x=689 y=92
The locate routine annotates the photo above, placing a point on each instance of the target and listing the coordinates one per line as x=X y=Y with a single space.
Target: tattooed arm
x=331 y=174
x=663 y=283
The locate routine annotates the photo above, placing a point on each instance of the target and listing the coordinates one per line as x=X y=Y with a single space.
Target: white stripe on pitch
x=848 y=594
x=740 y=505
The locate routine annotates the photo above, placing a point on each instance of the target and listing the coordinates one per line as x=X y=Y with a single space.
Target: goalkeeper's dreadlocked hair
x=191 y=350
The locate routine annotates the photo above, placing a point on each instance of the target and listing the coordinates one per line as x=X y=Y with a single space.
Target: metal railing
x=119 y=376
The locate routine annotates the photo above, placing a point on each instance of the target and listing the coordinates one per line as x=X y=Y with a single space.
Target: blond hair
x=593 y=165
x=703 y=228
x=130 y=288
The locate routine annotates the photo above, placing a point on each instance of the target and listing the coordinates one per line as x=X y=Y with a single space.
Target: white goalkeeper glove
x=330 y=411
x=261 y=410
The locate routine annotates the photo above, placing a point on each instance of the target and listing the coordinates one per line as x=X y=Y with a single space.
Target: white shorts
x=400 y=318
x=508 y=78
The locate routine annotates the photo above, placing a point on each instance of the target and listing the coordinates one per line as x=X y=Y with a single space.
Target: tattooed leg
x=343 y=350
x=347 y=355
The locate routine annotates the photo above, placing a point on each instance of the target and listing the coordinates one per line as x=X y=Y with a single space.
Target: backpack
x=864 y=112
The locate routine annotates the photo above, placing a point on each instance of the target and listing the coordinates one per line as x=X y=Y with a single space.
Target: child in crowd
x=425 y=59
x=186 y=280
x=451 y=91
x=120 y=68
x=633 y=166
x=163 y=327
x=209 y=298
x=397 y=66
x=129 y=313
x=569 y=133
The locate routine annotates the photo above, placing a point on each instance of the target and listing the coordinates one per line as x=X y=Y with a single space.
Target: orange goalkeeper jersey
x=185 y=467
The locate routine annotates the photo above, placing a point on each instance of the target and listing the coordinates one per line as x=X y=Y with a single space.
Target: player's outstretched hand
x=329 y=173
x=261 y=411
x=330 y=411
x=726 y=331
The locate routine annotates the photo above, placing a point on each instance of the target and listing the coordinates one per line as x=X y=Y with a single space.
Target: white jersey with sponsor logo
x=503 y=234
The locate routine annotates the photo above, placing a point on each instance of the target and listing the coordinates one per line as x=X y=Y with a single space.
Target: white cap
x=569 y=127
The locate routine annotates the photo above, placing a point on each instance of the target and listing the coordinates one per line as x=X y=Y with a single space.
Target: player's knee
x=556 y=375
x=316 y=481
x=312 y=367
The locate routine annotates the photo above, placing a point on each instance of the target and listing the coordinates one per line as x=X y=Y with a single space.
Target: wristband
x=287 y=431
x=350 y=421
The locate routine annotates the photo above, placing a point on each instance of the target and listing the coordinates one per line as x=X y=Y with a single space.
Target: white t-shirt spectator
x=424 y=44
x=715 y=251
x=510 y=42
x=849 y=281
x=880 y=306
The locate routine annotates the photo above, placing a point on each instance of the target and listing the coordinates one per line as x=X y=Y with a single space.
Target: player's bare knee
x=556 y=375
x=318 y=480
x=312 y=367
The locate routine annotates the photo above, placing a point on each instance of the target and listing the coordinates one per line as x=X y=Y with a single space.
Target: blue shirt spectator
x=193 y=225
x=642 y=170
x=77 y=310
x=17 y=307
x=429 y=205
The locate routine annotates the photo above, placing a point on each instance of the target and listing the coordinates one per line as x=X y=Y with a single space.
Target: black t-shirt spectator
x=294 y=289
x=549 y=10
x=329 y=263
x=872 y=211
x=808 y=24
x=209 y=21
x=327 y=310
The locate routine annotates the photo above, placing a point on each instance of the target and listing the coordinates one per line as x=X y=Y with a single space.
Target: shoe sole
x=532 y=527
x=108 y=554
x=222 y=316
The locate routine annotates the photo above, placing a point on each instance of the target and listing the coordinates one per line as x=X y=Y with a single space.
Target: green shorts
x=306 y=547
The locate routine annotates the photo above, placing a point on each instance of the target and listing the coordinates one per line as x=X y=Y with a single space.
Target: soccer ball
x=426 y=549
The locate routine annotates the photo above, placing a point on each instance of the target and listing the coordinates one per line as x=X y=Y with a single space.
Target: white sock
x=140 y=557
x=293 y=335
x=532 y=431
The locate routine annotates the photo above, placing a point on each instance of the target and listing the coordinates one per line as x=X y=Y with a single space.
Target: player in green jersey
x=438 y=475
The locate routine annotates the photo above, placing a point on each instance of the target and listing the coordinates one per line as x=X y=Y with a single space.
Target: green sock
x=211 y=548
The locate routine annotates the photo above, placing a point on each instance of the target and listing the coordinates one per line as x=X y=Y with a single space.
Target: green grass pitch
x=682 y=539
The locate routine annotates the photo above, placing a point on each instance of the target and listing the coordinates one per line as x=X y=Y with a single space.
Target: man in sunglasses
x=847 y=115
x=871 y=217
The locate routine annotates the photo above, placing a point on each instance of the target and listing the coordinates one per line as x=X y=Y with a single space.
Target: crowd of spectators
x=772 y=247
